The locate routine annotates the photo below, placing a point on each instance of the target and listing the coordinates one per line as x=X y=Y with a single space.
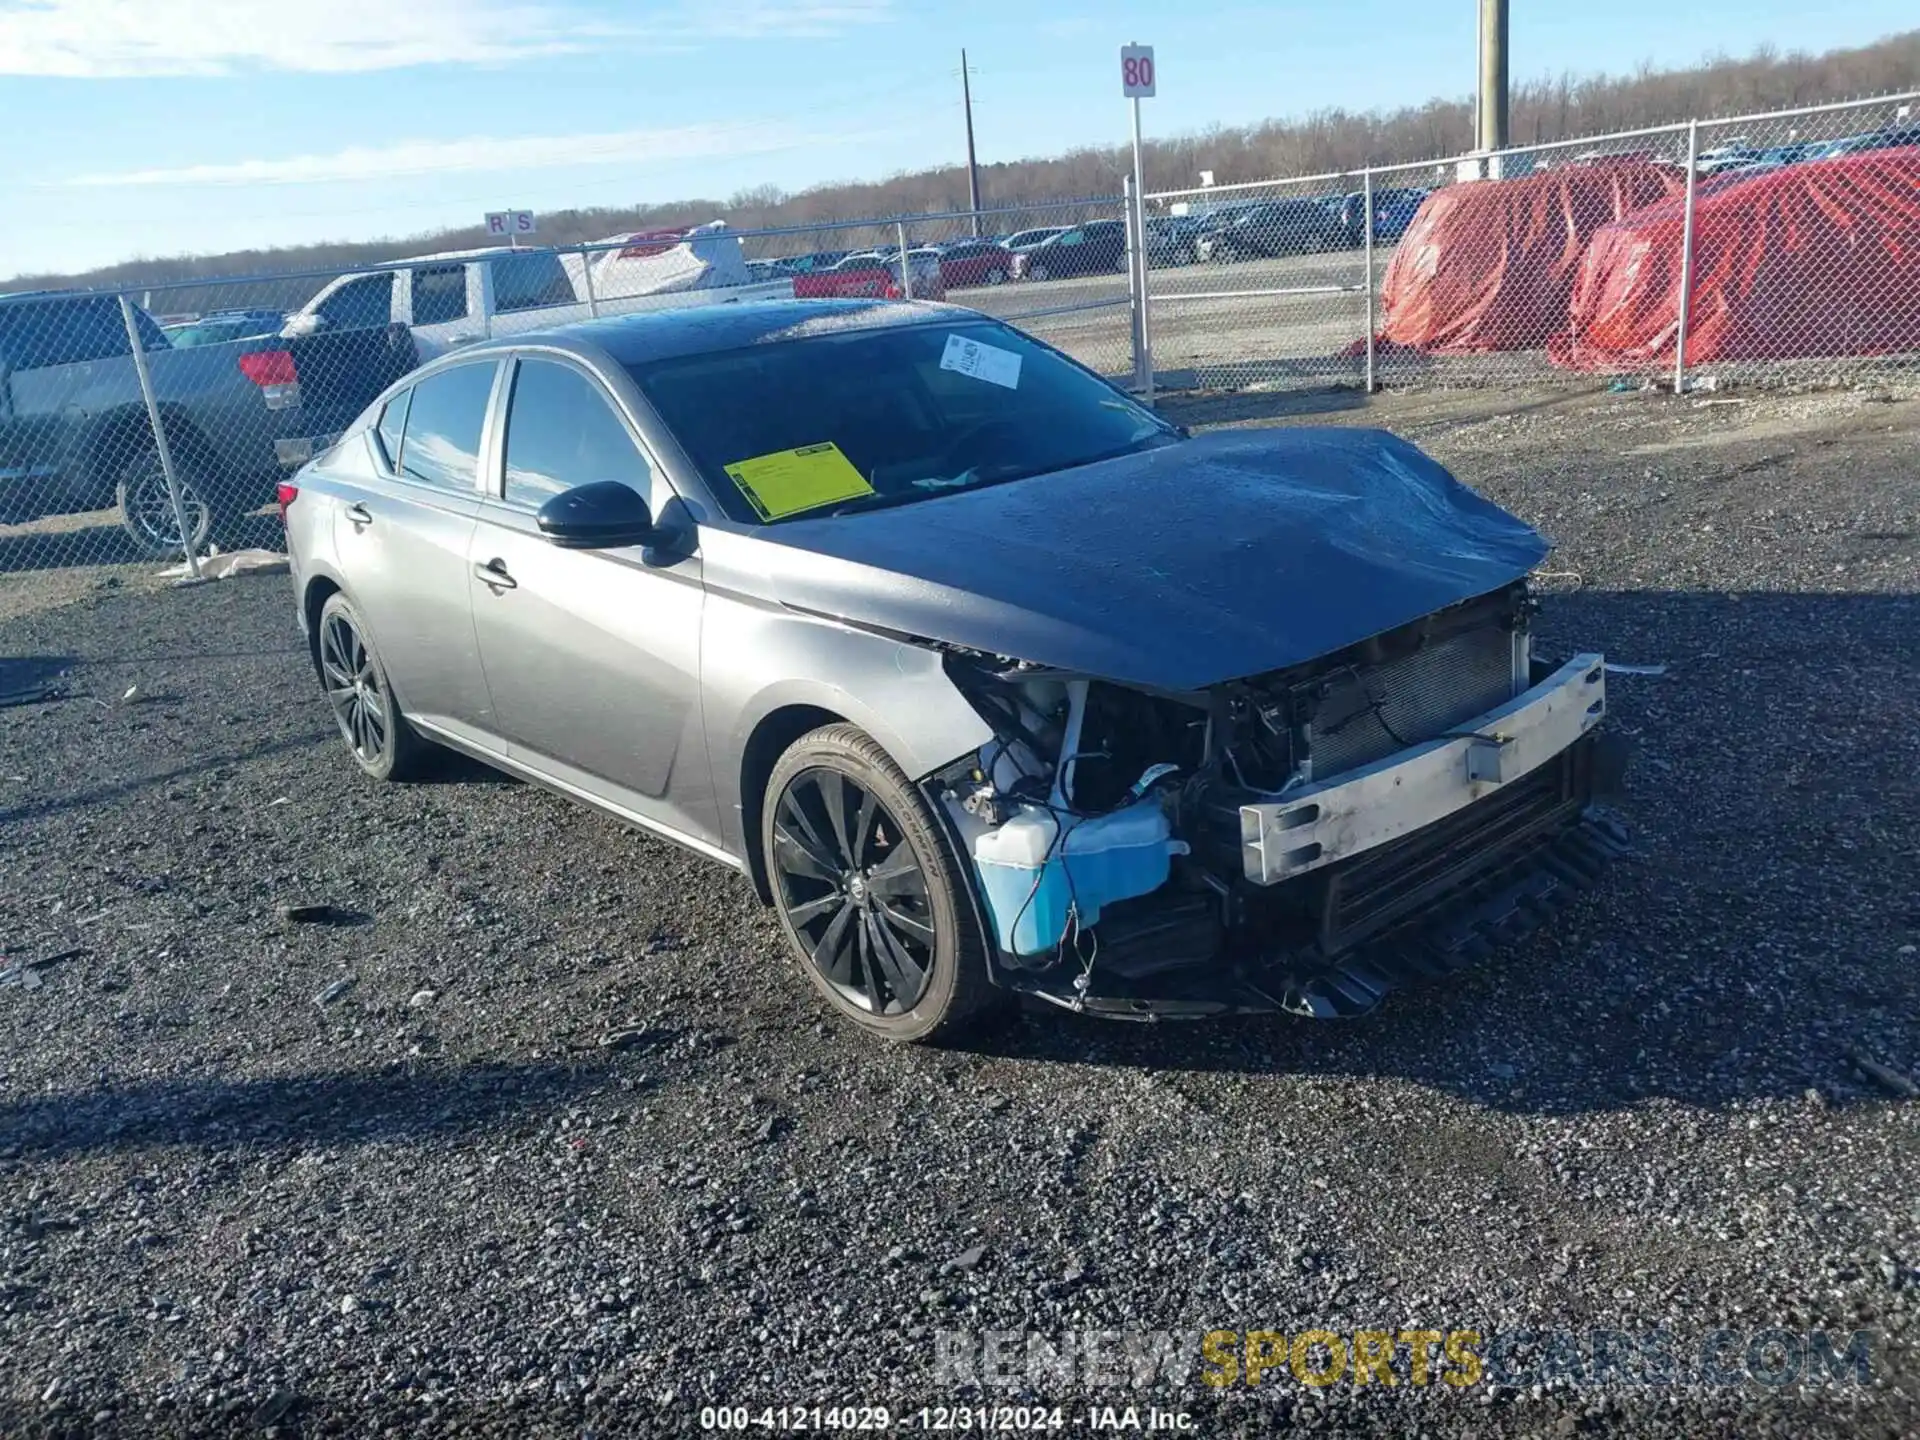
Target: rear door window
x=364 y=303
x=444 y=423
x=529 y=282
x=439 y=294
x=562 y=431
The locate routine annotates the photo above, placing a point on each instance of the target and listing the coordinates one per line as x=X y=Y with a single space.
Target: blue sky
x=151 y=127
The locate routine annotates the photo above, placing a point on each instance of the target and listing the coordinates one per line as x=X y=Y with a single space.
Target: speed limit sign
x=1136 y=71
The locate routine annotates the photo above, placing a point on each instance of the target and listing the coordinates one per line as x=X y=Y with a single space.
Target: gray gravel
x=533 y=1130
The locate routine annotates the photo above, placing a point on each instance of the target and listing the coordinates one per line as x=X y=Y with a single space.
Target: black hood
x=1220 y=557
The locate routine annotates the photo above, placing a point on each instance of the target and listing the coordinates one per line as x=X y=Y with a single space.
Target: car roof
x=707 y=329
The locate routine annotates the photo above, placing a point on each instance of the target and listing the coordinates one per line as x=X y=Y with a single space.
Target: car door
x=592 y=657
x=402 y=531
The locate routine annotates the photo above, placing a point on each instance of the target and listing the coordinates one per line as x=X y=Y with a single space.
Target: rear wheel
x=869 y=892
x=1038 y=271
x=378 y=736
x=146 y=507
x=996 y=276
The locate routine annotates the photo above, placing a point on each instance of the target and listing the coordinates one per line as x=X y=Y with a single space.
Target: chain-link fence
x=155 y=426
x=1783 y=247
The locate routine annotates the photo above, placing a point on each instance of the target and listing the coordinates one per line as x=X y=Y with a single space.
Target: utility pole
x=973 y=165
x=1492 y=106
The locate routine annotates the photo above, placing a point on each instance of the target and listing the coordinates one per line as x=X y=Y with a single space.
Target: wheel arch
x=319 y=589
x=771 y=738
x=120 y=434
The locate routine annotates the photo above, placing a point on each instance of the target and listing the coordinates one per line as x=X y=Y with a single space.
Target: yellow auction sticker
x=789 y=481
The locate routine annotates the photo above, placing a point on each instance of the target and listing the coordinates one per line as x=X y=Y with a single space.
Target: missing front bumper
x=1498 y=896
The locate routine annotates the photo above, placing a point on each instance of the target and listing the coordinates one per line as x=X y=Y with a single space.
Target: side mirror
x=600 y=516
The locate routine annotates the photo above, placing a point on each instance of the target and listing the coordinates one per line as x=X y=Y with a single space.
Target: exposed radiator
x=1387 y=707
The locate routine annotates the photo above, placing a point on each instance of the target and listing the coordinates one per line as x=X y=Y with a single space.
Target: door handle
x=359 y=514
x=494 y=572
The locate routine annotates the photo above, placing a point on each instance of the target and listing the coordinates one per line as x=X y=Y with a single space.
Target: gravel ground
x=543 y=1135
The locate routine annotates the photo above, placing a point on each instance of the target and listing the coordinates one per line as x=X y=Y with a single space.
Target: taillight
x=273 y=372
x=269 y=367
x=286 y=493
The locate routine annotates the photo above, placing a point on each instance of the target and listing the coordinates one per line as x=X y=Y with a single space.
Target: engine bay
x=1108 y=825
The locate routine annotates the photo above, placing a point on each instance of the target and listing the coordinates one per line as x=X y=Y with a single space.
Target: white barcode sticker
x=983 y=362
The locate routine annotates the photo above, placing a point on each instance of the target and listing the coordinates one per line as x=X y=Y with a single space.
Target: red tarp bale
x=1490 y=264
x=1819 y=258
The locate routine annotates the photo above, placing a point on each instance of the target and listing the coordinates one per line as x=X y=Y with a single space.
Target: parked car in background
x=239 y=415
x=808 y=263
x=1393 y=212
x=1026 y=239
x=661 y=262
x=218 y=326
x=879 y=616
x=1174 y=239
x=1889 y=139
x=1273 y=227
x=872 y=277
x=1098 y=247
x=967 y=263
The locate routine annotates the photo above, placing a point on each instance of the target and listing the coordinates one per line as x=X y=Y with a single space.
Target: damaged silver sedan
x=989 y=679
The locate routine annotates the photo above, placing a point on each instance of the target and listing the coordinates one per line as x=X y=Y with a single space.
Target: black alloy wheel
x=854 y=890
x=869 y=893
x=377 y=734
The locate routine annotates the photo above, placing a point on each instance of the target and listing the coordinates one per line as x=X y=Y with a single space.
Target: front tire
x=378 y=736
x=1039 y=272
x=870 y=894
x=996 y=276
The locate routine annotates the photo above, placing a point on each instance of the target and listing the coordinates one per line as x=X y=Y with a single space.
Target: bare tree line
x=1552 y=108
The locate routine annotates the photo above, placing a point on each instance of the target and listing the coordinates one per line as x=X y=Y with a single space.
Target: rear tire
x=146 y=507
x=378 y=736
x=870 y=894
x=996 y=276
x=1039 y=272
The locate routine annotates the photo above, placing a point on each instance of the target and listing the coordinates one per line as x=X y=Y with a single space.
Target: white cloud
x=478 y=153
x=98 y=39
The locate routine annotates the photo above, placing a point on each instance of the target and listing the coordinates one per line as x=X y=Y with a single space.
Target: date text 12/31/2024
x=947 y=1419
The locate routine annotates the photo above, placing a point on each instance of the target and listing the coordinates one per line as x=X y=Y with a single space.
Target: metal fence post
x=906 y=271
x=160 y=436
x=1133 y=287
x=1367 y=245
x=1146 y=295
x=586 y=271
x=1686 y=260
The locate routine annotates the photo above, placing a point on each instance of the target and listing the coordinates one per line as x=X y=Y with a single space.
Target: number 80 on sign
x=1136 y=72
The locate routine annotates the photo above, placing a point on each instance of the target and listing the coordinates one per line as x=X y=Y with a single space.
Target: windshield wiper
x=880 y=501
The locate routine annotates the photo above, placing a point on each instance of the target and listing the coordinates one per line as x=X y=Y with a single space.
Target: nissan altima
x=985 y=676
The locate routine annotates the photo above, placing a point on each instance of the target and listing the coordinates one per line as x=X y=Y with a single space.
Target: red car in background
x=873 y=277
x=967 y=263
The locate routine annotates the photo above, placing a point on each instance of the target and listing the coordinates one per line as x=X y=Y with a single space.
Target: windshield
x=866 y=418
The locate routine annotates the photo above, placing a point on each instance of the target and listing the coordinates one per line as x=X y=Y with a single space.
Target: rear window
x=890 y=416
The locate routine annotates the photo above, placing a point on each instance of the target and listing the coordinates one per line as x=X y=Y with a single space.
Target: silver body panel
x=633 y=679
